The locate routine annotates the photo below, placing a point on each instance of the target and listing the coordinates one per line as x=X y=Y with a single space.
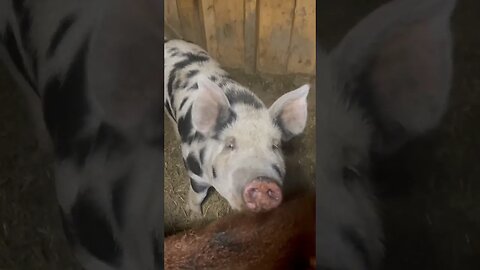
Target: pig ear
x=290 y=112
x=400 y=58
x=209 y=106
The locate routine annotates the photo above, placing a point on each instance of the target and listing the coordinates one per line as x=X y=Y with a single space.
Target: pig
x=385 y=83
x=283 y=238
x=229 y=139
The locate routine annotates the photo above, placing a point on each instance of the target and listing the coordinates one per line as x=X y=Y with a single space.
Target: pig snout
x=262 y=194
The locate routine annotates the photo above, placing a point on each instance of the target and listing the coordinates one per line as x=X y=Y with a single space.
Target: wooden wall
x=267 y=36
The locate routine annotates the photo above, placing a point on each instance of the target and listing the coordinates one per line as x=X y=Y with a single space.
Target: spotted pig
x=229 y=139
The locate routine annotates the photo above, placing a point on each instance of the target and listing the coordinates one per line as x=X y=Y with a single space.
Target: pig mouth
x=262 y=194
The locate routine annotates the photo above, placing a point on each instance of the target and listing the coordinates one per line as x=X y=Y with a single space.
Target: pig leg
x=196 y=195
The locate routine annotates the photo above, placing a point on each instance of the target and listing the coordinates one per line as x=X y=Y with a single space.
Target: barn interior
x=430 y=205
x=263 y=49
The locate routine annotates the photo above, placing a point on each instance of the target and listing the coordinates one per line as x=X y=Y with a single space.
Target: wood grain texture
x=209 y=23
x=275 y=26
x=250 y=35
x=266 y=36
x=171 y=18
x=192 y=27
x=229 y=21
x=302 y=45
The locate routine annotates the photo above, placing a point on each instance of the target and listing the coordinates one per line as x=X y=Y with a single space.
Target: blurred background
x=430 y=191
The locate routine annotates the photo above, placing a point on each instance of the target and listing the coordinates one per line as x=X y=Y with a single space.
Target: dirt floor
x=300 y=155
x=430 y=191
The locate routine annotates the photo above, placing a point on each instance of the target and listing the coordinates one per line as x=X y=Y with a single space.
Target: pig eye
x=230 y=144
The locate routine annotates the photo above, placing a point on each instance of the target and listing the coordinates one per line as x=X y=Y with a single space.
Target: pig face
x=244 y=141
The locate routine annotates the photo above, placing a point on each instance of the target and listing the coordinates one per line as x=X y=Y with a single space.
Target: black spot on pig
x=119 y=199
x=355 y=240
x=192 y=73
x=171 y=78
x=190 y=59
x=185 y=126
x=226 y=117
x=193 y=165
x=66 y=107
x=60 y=33
x=195 y=137
x=182 y=103
x=176 y=84
x=201 y=155
x=184 y=84
x=193 y=87
x=277 y=170
x=13 y=49
x=93 y=230
x=243 y=97
x=198 y=187
x=110 y=139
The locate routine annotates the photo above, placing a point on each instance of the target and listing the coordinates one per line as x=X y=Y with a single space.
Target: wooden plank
x=209 y=24
x=274 y=27
x=171 y=18
x=302 y=45
x=192 y=28
x=250 y=35
x=229 y=21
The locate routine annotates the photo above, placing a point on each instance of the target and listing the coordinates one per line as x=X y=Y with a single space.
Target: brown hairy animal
x=283 y=238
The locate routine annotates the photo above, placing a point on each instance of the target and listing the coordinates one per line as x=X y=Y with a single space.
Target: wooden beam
x=171 y=18
x=303 y=40
x=192 y=29
x=250 y=35
x=209 y=24
x=275 y=26
x=229 y=20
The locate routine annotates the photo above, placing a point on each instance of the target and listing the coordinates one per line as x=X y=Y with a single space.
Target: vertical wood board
x=189 y=13
x=267 y=36
x=171 y=18
x=274 y=29
x=229 y=20
x=208 y=15
x=250 y=35
x=303 y=40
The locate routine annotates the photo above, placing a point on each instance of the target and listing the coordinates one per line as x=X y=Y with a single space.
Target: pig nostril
x=272 y=195
x=252 y=192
